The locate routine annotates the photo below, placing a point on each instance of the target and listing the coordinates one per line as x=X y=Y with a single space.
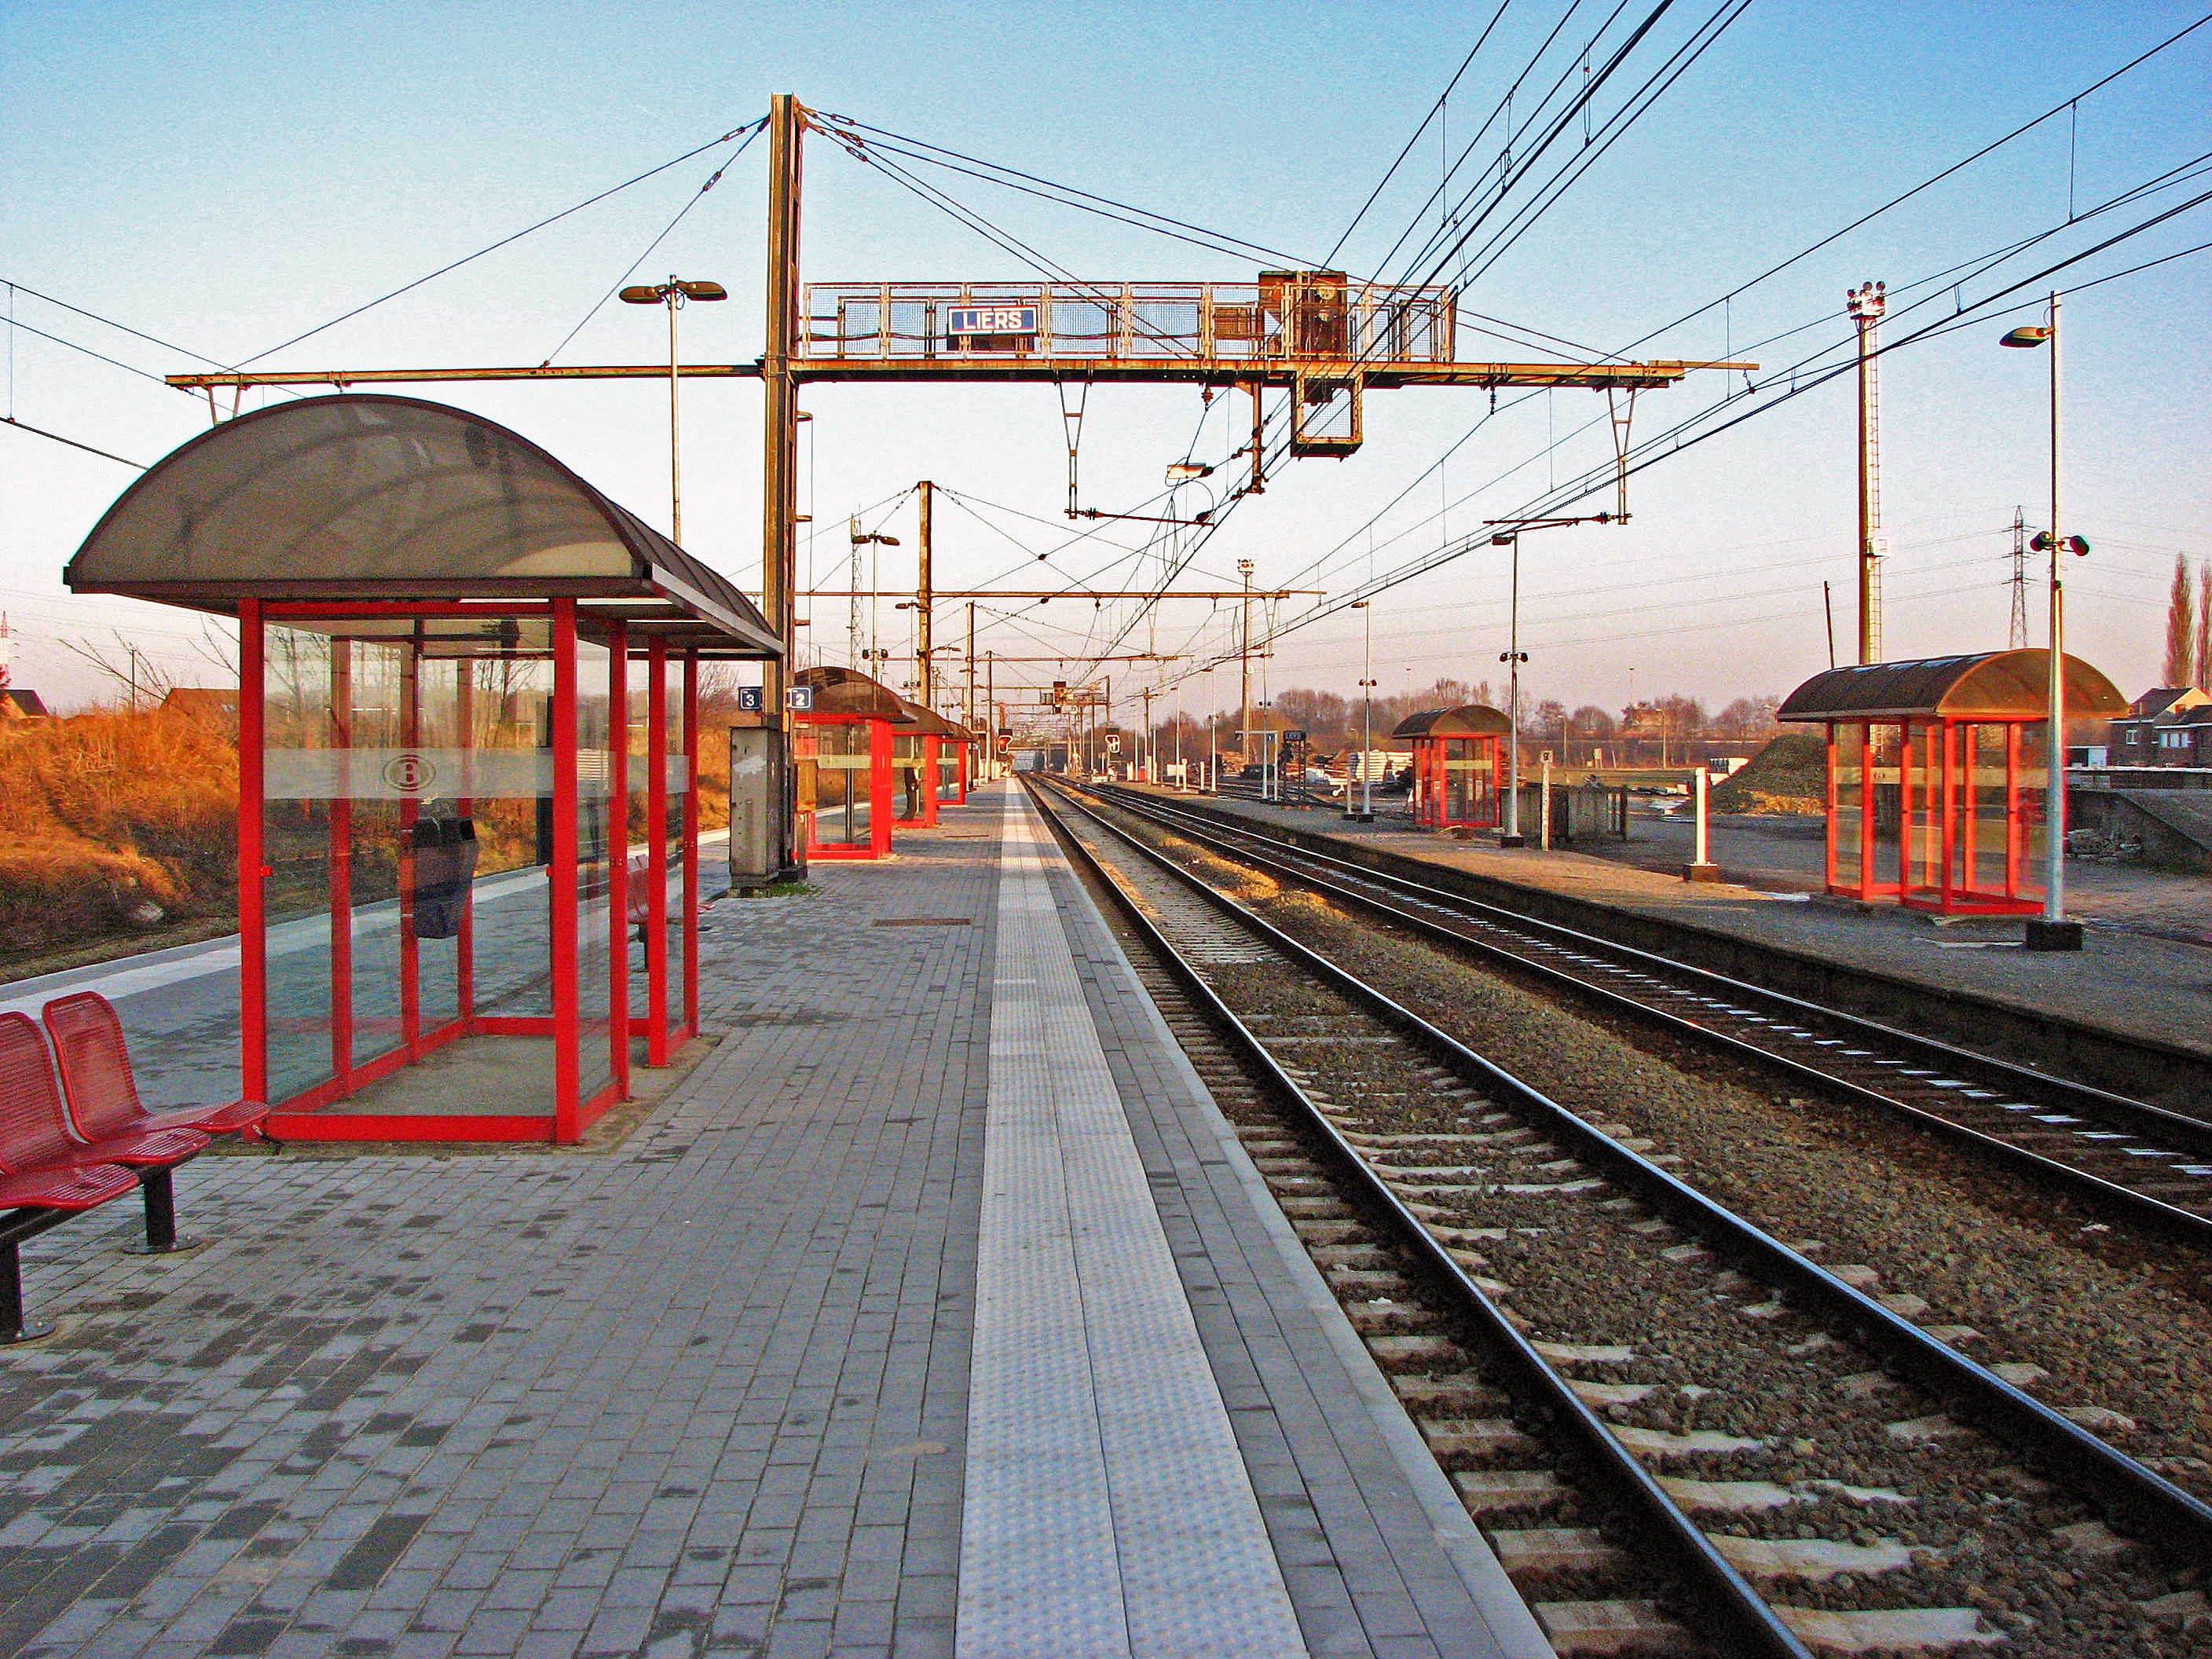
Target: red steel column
x=1947 y=834
x=253 y=907
x=340 y=852
x=465 y=947
x=617 y=821
x=656 y=852
x=561 y=881
x=690 y=845
x=410 y=809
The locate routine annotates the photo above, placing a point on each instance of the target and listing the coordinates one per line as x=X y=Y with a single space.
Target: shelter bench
x=72 y=1141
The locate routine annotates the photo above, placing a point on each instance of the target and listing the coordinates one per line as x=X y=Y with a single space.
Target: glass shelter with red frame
x=468 y=826
x=1456 y=765
x=844 y=742
x=919 y=753
x=1937 y=774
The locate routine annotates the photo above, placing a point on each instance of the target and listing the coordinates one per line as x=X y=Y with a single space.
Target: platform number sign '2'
x=991 y=320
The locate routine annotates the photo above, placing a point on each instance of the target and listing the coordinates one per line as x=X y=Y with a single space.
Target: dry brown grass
x=113 y=822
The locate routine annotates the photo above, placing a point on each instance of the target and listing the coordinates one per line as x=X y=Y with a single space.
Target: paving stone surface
x=704 y=1392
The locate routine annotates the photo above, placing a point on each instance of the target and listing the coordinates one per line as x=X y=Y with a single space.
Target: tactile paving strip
x=1107 y=1509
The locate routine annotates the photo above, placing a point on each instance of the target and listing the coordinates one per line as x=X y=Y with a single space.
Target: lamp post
x=1511 y=537
x=871 y=539
x=2052 y=932
x=674 y=293
x=1514 y=655
x=1367 y=812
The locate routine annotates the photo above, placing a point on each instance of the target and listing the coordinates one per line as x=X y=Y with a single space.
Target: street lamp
x=865 y=538
x=1511 y=537
x=1367 y=812
x=2053 y=932
x=675 y=295
x=1511 y=835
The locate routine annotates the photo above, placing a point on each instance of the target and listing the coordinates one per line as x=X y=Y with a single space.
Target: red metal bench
x=100 y=1093
x=29 y=1204
x=48 y=1174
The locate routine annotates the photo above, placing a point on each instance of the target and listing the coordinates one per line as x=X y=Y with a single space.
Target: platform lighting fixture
x=1366 y=813
x=675 y=293
x=2053 y=932
x=1187 y=471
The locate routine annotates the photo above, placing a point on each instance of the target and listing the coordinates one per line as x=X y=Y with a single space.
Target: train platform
x=2148 y=985
x=931 y=1310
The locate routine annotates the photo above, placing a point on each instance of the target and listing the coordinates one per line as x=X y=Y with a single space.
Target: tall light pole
x=1514 y=656
x=1367 y=812
x=674 y=293
x=872 y=540
x=1865 y=307
x=1245 y=665
x=1509 y=535
x=2053 y=932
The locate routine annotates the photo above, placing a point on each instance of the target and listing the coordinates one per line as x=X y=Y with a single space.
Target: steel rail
x=1284 y=859
x=1722 y=1592
x=2162 y=1515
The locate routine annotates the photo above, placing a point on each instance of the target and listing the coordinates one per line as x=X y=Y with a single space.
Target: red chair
x=102 y=1094
x=37 y=1135
x=32 y=1203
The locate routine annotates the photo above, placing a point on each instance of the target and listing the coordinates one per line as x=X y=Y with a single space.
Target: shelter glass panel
x=1470 y=783
x=1982 y=850
x=907 y=775
x=2031 y=826
x=597 y=1008
x=370 y=687
x=1884 y=789
x=296 y=827
x=676 y=771
x=439 y=849
x=844 y=764
x=1925 y=798
x=505 y=799
x=1847 y=816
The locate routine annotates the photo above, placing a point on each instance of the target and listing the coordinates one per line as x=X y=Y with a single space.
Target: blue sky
x=225 y=177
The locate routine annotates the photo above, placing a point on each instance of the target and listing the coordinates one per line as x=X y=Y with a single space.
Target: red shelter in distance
x=1937 y=776
x=1456 y=769
x=845 y=744
x=467 y=725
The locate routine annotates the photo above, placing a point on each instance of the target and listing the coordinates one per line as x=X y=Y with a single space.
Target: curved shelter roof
x=1992 y=685
x=929 y=724
x=847 y=691
x=368 y=496
x=1471 y=720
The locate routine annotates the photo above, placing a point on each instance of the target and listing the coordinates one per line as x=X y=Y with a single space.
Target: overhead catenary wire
x=39 y=431
x=1325 y=565
x=745 y=131
x=667 y=230
x=1435 y=110
x=1652 y=455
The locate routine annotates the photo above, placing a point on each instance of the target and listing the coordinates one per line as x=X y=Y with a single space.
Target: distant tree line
x=1668 y=731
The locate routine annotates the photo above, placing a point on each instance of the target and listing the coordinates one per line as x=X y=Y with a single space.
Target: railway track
x=1678 y=1433
x=2128 y=1158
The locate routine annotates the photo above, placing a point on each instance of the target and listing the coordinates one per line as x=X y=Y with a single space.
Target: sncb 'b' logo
x=410 y=775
